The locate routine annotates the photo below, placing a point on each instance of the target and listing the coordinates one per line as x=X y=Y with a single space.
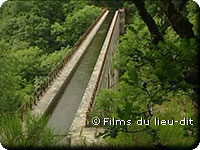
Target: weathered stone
x=79 y=135
x=54 y=91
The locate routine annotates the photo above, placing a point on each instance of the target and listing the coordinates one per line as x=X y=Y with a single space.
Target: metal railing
x=42 y=88
x=99 y=76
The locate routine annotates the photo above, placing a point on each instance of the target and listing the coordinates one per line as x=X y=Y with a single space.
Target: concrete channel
x=63 y=113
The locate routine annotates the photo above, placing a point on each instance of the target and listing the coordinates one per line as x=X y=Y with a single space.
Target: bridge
x=68 y=93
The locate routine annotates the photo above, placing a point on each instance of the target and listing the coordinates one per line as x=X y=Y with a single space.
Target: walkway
x=66 y=107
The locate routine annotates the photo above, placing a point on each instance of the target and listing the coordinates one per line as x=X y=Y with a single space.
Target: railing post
x=55 y=72
x=34 y=100
x=21 y=113
x=30 y=103
x=87 y=119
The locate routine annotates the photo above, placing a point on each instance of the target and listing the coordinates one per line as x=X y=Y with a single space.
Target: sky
x=1 y=1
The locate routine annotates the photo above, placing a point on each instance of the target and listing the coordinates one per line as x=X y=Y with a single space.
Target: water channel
x=64 y=111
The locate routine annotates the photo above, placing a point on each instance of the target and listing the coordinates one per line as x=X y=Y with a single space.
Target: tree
x=32 y=43
x=9 y=79
x=152 y=74
x=156 y=36
x=29 y=133
x=75 y=25
x=177 y=20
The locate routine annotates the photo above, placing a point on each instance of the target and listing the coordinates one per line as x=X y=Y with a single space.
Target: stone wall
x=78 y=133
x=49 y=99
x=109 y=77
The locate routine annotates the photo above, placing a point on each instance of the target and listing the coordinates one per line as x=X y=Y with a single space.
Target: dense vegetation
x=156 y=59
x=34 y=37
x=29 y=133
x=157 y=63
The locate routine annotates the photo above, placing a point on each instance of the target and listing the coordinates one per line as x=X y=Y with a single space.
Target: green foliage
x=130 y=9
x=31 y=22
x=113 y=5
x=34 y=37
x=21 y=26
x=50 y=61
x=9 y=79
x=122 y=103
x=80 y=21
x=29 y=62
x=175 y=109
x=167 y=63
x=150 y=81
x=193 y=9
x=75 y=25
x=29 y=133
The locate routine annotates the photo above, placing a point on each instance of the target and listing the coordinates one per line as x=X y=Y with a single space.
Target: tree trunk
x=182 y=5
x=156 y=36
x=178 y=22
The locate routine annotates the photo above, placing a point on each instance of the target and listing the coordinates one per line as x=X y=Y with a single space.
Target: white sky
x=198 y=2
x=1 y=1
